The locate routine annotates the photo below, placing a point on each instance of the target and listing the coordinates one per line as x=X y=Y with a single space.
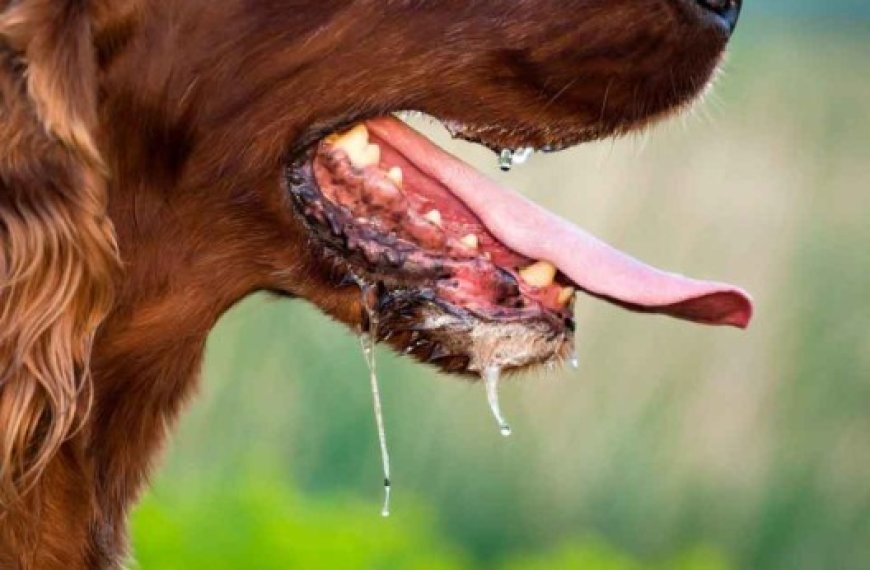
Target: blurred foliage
x=596 y=554
x=673 y=447
x=259 y=523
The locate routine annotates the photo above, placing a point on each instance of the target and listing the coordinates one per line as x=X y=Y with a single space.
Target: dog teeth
x=355 y=143
x=565 y=296
x=470 y=241
x=395 y=176
x=356 y=138
x=433 y=216
x=539 y=274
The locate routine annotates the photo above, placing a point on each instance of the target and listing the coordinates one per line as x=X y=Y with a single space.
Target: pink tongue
x=593 y=265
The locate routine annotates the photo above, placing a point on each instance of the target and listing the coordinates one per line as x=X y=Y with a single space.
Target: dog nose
x=727 y=10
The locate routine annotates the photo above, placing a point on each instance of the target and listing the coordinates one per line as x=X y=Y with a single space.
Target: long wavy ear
x=57 y=246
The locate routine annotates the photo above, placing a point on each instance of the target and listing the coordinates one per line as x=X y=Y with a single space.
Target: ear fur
x=58 y=255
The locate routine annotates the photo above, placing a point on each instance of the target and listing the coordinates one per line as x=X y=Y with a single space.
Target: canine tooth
x=539 y=274
x=470 y=241
x=357 y=136
x=565 y=295
x=395 y=176
x=433 y=216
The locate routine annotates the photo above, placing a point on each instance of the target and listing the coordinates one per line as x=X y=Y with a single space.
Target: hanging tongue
x=593 y=265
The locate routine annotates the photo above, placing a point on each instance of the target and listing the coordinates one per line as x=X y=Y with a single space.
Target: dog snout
x=725 y=11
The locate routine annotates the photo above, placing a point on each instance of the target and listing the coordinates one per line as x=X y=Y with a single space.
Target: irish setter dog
x=162 y=159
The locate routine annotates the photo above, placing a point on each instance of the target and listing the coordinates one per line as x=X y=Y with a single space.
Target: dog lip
x=496 y=137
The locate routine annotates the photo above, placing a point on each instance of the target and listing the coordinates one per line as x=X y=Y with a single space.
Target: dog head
x=248 y=145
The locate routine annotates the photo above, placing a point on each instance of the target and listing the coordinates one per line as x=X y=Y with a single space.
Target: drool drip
x=491 y=376
x=368 y=338
x=573 y=359
x=508 y=158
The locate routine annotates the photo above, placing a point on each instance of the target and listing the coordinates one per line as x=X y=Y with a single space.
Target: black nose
x=727 y=10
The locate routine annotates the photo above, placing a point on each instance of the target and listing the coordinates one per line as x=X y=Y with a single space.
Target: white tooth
x=433 y=216
x=470 y=241
x=395 y=176
x=539 y=274
x=372 y=156
x=355 y=143
x=565 y=296
x=367 y=156
x=356 y=137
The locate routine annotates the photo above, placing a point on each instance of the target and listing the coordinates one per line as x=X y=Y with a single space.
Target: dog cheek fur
x=58 y=256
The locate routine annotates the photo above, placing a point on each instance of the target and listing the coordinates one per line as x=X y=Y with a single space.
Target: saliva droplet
x=491 y=376
x=385 y=510
x=573 y=360
x=367 y=340
x=506 y=159
x=521 y=155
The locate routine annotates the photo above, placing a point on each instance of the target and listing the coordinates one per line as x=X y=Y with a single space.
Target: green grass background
x=672 y=447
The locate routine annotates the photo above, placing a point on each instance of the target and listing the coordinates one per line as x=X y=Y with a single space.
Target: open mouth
x=463 y=272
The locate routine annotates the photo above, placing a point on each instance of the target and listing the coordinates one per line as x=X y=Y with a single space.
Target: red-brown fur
x=142 y=144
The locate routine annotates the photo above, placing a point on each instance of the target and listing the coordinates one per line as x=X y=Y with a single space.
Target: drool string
x=368 y=338
x=491 y=376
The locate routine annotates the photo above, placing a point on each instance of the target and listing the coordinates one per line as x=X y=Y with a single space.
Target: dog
x=162 y=159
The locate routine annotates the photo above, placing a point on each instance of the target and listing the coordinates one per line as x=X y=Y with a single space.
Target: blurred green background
x=672 y=447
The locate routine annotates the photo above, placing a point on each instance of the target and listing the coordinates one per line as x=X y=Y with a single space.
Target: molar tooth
x=433 y=216
x=395 y=176
x=565 y=296
x=539 y=274
x=470 y=241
